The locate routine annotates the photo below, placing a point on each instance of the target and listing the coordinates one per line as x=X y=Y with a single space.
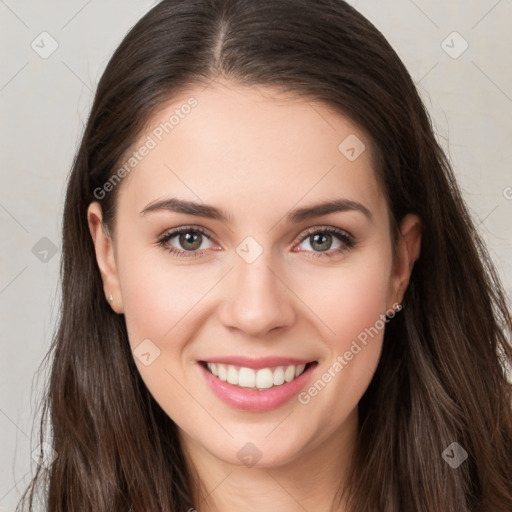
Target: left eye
x=320 y=241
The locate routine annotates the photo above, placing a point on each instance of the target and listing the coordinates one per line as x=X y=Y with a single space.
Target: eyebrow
x=295 y=216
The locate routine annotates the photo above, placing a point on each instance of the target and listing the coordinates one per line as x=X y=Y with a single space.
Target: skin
x=257 y=155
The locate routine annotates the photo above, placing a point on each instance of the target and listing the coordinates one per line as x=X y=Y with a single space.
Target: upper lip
x=257 y=363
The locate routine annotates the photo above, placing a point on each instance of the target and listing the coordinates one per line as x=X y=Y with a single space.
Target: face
x=255 y=314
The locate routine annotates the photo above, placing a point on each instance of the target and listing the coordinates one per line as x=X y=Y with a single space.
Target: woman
x=273 y=294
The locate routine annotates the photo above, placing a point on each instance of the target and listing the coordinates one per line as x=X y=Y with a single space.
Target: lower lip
x=253 y=399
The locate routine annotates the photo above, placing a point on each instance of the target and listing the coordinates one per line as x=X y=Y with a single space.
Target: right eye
x=191 y=239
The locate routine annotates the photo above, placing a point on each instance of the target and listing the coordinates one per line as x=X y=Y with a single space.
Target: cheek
x=158 y=296
x=350 y=304
x=161 y=302
x=350 y=298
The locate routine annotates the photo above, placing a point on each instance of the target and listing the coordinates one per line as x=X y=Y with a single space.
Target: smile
x=256 y=385
x=263 y=378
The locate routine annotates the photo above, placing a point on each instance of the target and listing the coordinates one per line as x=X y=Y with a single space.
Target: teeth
x=246 y=377
x=289 y=373
x=232 y=375
x=278 y=376
x=222 y=372
x=263 y=378
x=299 y=369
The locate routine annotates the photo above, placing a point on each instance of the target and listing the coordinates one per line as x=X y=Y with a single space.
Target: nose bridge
x=255 y=277
x=257 y=301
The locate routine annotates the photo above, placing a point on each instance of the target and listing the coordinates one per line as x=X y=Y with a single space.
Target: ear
x=105 y=256
x=407 y=252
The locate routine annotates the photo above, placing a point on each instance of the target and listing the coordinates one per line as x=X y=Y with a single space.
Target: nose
x=258 y=300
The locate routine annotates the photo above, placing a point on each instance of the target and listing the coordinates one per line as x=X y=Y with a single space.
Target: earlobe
x=408 y=251
x=105 y=257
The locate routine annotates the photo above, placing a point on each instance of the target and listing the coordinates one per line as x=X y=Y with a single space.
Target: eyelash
x=347 y=240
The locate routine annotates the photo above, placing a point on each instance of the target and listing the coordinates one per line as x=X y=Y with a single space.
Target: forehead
x=249 y=149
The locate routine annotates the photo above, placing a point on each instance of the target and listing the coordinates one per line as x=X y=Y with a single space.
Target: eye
x=189 y=242
x=320 y=241
x=191 y=239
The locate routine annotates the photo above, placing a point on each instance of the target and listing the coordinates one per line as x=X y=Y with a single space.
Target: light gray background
x=44 y=104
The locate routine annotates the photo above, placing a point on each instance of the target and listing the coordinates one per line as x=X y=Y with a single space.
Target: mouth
x=256 y=385
x=260 y=379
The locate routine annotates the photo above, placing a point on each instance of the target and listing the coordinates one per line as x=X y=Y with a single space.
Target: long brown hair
x=441 y=378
